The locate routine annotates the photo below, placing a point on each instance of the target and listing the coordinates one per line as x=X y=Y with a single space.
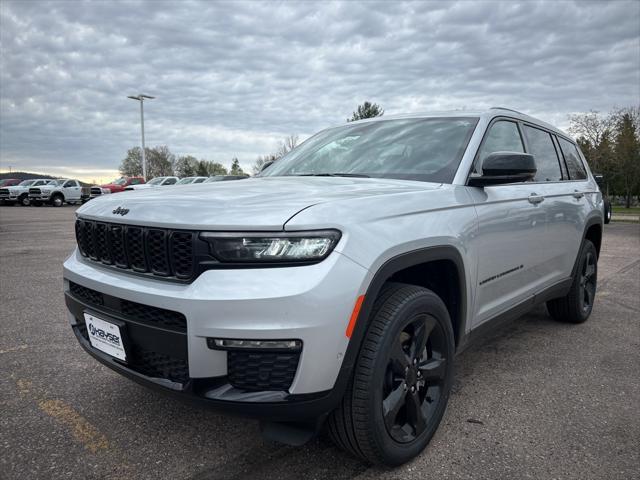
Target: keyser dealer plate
x=105 y=336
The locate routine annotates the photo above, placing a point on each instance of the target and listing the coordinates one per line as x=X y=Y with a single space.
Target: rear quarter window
x=572 y=159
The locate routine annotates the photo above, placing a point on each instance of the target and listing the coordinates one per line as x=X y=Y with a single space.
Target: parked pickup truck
x=96 y=191
x=119 y=184
x=63 y=191
x=20 y=193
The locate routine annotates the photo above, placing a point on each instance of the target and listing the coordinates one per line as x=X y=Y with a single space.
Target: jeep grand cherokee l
x=336 y=287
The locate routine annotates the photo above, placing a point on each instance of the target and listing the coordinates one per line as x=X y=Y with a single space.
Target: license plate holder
x=108 y=336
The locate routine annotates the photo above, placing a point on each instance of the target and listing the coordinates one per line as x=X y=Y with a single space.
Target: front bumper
x=42 y=197
x=311 y=303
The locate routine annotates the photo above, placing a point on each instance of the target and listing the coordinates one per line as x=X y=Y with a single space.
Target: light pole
x=141 y=98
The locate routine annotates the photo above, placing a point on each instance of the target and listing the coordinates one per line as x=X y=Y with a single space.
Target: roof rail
x=508 y=109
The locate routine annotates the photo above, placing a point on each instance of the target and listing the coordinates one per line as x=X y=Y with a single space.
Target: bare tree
x=591 y=125
x=286 y=146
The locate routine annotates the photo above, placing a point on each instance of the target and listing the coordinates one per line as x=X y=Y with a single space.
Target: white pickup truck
x=56 y=193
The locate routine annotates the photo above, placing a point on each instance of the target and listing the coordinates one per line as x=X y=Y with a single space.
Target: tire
x=57 y=200
x=577 y=305
x=388 y=376
x=607 y=211
x=24 y=200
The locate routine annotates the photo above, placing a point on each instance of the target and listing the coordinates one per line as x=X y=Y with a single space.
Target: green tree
x=131 y=165
x=159 y=159
x=627 y=155
x=216 y=168
x=186 y=166
x=366 y=110
x=236 y=169
x=201 y=169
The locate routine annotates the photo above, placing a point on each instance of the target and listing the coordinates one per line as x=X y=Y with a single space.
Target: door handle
x=535 y=198
x=578 y=195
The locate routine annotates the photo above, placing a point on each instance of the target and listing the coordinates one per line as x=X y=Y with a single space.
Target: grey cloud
x=232 y=79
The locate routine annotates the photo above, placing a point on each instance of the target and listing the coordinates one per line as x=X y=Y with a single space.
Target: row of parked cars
x=57 y=192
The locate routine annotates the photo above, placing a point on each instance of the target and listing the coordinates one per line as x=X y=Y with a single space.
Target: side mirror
x=505 y=167
x=266 y=165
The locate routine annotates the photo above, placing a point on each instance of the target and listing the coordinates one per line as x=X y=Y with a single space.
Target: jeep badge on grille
x=121 y=211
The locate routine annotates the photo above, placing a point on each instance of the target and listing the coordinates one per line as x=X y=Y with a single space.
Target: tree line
x=161 y=162
x=611 y=144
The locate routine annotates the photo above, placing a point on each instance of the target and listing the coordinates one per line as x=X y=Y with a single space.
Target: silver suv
x=336 y=287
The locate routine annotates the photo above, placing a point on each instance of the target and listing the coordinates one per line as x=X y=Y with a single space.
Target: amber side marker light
x=354 y=316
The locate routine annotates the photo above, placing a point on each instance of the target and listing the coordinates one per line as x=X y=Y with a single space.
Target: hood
x=255 y=203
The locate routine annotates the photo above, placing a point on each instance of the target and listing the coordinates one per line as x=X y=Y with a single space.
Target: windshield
x=58 y=182
x=156 y=181
x=426 y=149
x=25 y=183
x=119 y=181
x=214 y=179
x=186 y=180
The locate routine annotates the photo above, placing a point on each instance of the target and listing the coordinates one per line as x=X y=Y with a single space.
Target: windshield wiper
x=357 y=175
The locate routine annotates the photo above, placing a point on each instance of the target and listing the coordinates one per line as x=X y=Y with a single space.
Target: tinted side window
x=135 y=181
x=541 y=146
x=572 y=158
x=169 y=181
x=503 y=136
x=199 y=180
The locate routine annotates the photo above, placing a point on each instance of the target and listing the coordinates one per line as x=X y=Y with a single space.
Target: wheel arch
x=593 y=232
x=417 y=267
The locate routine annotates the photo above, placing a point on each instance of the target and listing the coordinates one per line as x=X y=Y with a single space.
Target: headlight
x=45 y=191
x=267 y=247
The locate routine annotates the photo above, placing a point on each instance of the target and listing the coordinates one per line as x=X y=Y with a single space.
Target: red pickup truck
x=119 y=184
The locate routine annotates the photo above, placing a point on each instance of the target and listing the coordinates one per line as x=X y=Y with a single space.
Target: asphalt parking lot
x=538 y=399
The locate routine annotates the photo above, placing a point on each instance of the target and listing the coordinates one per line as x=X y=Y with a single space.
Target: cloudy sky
x=233 y=79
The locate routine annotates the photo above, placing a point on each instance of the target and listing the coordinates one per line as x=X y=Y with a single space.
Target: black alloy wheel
x=577 y=305
x=401 y=382
x=588 y=278
x=414 y=379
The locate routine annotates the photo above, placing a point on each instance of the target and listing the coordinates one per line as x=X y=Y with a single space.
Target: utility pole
x=140 y=97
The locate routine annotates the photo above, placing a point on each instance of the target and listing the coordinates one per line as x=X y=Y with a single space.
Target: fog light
x=270 y=345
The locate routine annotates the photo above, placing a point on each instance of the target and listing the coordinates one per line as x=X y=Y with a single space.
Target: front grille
x=137 y=312
x=4 y=191
x=158 y=252
x=35 y=191
x=261 y=370
x=96 y=191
